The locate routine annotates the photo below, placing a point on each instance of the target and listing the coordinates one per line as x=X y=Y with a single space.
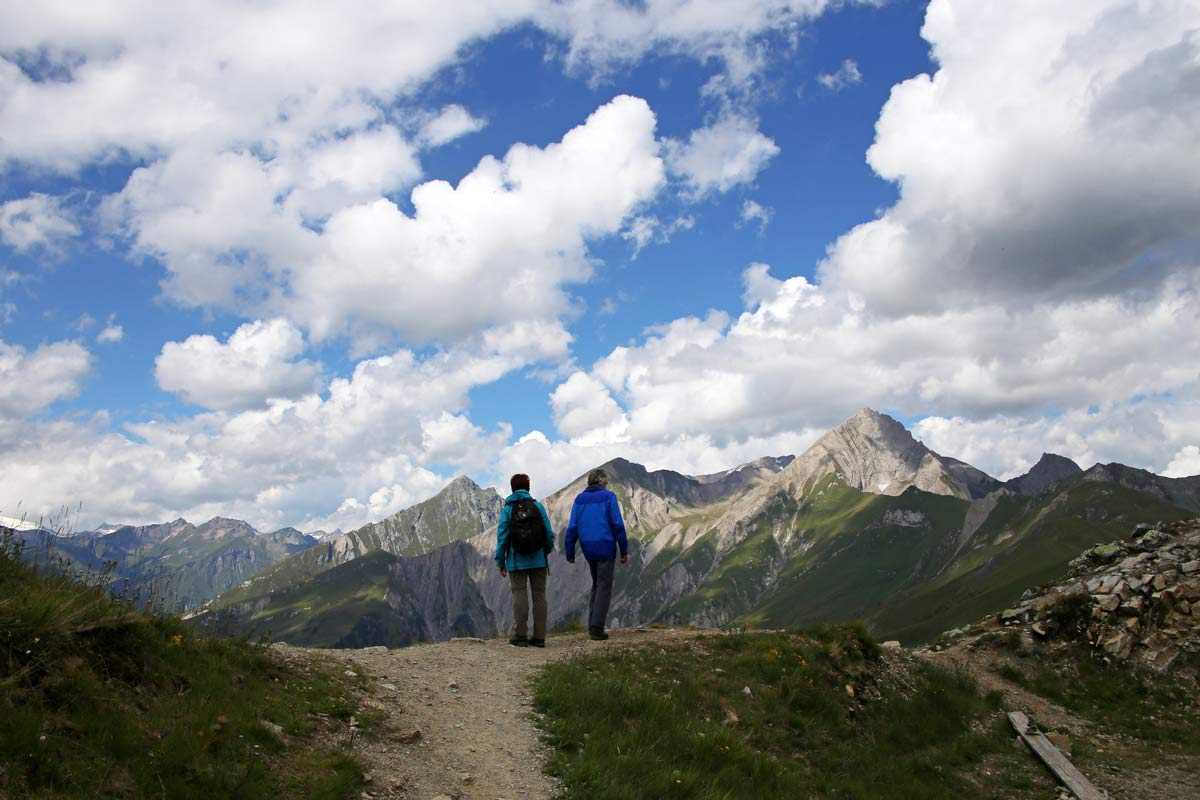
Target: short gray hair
x=598 y=477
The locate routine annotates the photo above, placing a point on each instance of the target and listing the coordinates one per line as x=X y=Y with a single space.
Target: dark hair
x=519 y=481
x=598 y=477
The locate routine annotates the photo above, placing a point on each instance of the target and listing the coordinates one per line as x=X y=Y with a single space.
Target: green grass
x=675 y=721
x=99 y=700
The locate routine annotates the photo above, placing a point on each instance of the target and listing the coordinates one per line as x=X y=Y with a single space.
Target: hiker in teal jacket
x=524 y=568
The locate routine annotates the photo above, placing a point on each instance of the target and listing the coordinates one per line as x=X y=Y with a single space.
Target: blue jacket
x=515 y=560
x=597 y=525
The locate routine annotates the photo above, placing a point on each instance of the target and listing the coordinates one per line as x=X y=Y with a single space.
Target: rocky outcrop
x=1135 y=601
x=1048 y=471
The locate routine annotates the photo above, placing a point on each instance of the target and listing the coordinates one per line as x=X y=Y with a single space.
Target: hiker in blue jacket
x=597 y=525
x=524 y=538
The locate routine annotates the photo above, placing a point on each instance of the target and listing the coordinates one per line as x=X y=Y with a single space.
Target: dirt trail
x=471 y=701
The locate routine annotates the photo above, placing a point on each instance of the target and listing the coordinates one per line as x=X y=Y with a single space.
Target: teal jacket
x=517 y=561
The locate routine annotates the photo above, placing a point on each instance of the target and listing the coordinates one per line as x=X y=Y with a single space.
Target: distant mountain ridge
x=181 y=564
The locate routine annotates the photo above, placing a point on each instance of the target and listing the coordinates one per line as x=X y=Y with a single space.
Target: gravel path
x=470 y=699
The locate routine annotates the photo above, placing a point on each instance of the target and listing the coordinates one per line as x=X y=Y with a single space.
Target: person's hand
x=625 y=559
x=503 y=572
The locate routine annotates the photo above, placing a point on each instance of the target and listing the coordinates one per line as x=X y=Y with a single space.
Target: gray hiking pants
x=536 y=578
x=602 y=581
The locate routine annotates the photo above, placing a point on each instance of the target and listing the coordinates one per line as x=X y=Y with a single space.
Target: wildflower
x=177 y=639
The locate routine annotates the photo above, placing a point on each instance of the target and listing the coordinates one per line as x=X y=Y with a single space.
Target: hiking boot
x=519 y=641
x=537 y=642
x=597 y=634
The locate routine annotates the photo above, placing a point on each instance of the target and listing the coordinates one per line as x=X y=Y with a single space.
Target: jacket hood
x=519 y=494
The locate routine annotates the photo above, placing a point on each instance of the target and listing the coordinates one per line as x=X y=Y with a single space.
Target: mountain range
x=177 y=564
x=868 y=523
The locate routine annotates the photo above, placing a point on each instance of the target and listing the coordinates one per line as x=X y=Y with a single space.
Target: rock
x=276 y=730
x=452 y=686
x=350 y=673
x=1189 y=589
x=391 y=687
x=1190 y=567
x=1119 y=645
x=746 y=691
x=1061 y=741
x=849 y=690
x=1134 y=606
x=891 y=644
x=1103 y=552
x=1015 y=614
x=1108 y=584
x=1183 y=607
x=467 y=777
x=1152 y=540
x=409 y=737
x=1108 y=602
x=378 y=648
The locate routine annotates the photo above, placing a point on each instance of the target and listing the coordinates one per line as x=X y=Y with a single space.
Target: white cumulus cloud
x=32 y=380
x=847 y=74
x=449 y=124
x=36 y=221
x=255 y=364
x=729 y=152
x=1185 y=463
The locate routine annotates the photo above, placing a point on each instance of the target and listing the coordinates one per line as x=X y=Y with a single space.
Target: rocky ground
x=456 y=717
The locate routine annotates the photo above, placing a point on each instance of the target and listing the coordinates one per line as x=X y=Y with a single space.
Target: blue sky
x=686 y=233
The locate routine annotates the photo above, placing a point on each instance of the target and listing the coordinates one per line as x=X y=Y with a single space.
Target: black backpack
x=526 y=531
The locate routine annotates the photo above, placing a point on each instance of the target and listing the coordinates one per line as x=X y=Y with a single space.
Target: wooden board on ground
x=1053 y=758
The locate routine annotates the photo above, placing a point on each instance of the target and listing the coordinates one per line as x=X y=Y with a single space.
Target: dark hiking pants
x=536 y=578
x=602 y=581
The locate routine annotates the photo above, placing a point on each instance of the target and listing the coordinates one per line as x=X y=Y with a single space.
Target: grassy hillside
x=818 y=713
x=99 y=700
x=1024 y=543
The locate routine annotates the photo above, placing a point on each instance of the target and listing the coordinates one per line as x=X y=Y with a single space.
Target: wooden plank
x=1053 y=758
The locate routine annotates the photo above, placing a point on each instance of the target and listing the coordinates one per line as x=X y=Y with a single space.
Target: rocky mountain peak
x=873 y=452
x=1049 y=470
x=877 y=429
